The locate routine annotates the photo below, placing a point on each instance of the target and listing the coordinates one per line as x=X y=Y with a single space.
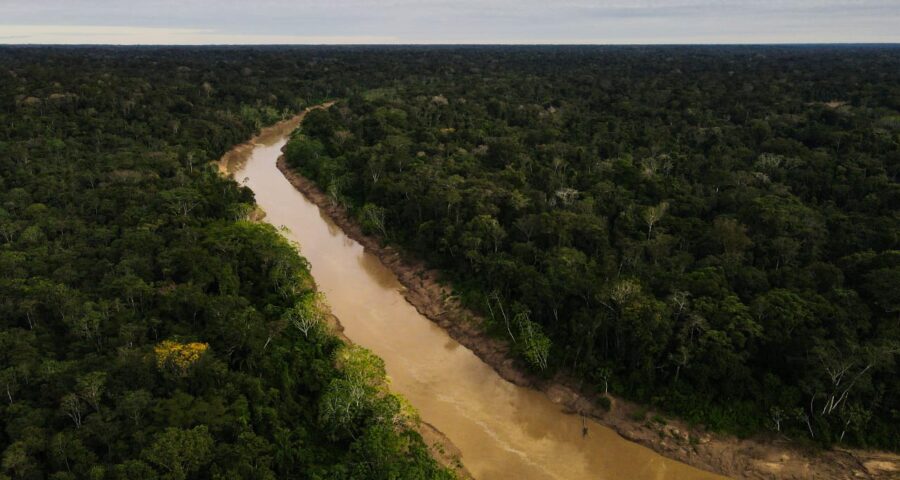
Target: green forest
x=714 y=231
x=711 y=231
x=149 y=329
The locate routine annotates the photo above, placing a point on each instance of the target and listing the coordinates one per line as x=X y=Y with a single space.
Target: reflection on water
x=503 y=431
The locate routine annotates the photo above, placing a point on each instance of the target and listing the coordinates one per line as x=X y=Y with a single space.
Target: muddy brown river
x=503 y=431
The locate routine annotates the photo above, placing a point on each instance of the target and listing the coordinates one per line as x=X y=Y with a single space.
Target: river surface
x=503 y=431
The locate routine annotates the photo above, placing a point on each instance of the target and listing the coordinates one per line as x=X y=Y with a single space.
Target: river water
x=503 y=431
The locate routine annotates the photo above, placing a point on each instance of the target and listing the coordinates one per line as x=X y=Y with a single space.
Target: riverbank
x=234 y=159
x=718 y=453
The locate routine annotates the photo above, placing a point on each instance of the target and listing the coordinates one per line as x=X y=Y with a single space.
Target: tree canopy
x=148 y=329
x=711 y=230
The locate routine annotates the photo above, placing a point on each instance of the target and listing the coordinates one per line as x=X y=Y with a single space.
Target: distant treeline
x=148 y=329
x=711 y=230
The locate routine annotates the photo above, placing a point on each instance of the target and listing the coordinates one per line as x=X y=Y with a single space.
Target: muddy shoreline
x=723 y=454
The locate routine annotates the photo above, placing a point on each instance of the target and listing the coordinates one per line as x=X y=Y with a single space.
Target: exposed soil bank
x=754 y=459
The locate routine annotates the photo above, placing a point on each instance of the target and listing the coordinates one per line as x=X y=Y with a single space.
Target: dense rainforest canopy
x=148 y=329
x=712 y=230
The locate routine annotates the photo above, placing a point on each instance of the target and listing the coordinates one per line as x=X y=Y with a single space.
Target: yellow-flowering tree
x=179 y=357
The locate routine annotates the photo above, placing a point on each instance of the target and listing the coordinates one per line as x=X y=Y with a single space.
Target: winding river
x=503 y=431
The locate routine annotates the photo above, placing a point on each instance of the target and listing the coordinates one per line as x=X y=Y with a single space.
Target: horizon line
x=439 y=44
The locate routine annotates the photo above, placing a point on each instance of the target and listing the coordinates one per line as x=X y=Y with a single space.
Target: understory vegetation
x=148 y=329
x=712 y=230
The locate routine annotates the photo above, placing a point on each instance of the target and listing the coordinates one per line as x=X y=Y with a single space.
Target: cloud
x=123 y=35
x=459 y=21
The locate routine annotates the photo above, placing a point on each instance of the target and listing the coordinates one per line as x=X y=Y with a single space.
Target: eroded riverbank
x=718 y=453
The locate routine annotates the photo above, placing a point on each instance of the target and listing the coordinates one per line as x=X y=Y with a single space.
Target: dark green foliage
x=604 y=402
x=712 y=230
x=116 y=235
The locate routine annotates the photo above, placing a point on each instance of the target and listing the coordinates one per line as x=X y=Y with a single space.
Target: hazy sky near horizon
x=445 y=21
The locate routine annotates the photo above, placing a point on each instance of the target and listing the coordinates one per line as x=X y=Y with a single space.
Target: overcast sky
x=446 y=21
